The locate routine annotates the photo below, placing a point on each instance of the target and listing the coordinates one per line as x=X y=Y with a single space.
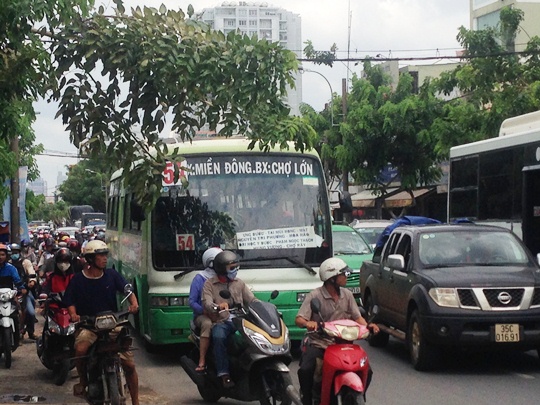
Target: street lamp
x=302 y=70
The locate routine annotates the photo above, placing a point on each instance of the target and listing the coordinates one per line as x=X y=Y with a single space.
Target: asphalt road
x=463 y=379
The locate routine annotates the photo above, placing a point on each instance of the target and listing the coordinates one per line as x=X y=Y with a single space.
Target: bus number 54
x=185 y=242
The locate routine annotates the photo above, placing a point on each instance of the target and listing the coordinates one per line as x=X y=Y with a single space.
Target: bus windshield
x=262 y=206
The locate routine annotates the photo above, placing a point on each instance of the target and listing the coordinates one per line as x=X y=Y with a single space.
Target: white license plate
x=507 y=332
x=354 y=290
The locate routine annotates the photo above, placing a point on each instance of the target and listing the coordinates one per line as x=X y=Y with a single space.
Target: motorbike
x=106 y=380
x=55 y=345
x=9 y=316
x=259 y=353
x=345 y=369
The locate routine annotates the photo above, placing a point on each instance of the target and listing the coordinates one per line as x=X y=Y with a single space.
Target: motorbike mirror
x=226 y=294
x=274 y=294
x=315 y=305
x=128 y=290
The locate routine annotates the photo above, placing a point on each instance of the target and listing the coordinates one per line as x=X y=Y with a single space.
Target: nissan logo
x=504 y=298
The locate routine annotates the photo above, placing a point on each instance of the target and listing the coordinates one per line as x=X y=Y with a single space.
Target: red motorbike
x=345 y=367
x=55 y=345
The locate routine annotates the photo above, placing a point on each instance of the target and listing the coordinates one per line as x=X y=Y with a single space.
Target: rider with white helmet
x=336 y=303
x=203 y=322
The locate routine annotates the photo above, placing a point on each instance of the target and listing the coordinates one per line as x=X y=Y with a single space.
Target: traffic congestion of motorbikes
x=251 y=366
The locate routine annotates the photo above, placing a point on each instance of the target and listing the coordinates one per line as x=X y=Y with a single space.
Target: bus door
x=531 y=208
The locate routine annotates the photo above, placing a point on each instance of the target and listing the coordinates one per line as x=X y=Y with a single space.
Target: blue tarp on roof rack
x=405 y=220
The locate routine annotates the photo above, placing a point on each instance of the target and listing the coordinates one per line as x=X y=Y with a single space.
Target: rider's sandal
x=201 y=369
x=79 y=390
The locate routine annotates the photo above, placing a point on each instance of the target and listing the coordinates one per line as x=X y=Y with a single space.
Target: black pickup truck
x=454 y=286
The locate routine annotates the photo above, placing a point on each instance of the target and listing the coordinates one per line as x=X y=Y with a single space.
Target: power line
x=438 y=57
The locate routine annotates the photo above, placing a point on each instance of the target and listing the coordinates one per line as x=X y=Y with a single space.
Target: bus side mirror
x=137 y=212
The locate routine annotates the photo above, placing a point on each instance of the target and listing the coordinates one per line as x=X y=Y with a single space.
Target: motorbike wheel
x=7 y=335
x=381 y=338
x=208 y=394
x=423 y=355
x=61 y=371
x=278 y=383
x=348 y=396
x=114 y=389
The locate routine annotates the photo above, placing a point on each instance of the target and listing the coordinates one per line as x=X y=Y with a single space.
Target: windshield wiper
x=184 y=272
x=288 y=258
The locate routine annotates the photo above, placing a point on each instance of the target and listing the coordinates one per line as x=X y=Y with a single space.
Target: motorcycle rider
x=8 y=270
x=226 y=266
x=28 y=276
x=91 y=291
x=201 y=319
x=336 y=303
x=58 y=280
x=28 y=252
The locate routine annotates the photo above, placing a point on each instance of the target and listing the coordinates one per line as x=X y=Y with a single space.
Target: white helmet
x=332 y=267
x=95 y=247
x=209 y=256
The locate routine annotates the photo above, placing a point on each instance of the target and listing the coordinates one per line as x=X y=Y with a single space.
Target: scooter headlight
x=53 y=326
x=105 y=322
x=265 y=345
x=7 y=295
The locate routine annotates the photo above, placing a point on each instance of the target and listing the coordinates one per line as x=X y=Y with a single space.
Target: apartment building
x=485 y=13
x=258 y=18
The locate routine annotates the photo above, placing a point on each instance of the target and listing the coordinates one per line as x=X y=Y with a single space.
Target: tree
x=25 y=70
x=55 y=213
x=384 y=128
x=33 y=202
x=496 y=83
x=171 y=65
x=85 y=185
x=117 y=78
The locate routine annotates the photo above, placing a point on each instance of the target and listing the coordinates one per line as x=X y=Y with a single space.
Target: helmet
x=4 y=247
x=49 y=242
x=100 y=236
x=25 y=242
x=95 y=247
x=15 y=247
x=64 y=238
x=209 y=256
x=332 y=267
x=223 y=259
x=63 y=255
x=74 y=245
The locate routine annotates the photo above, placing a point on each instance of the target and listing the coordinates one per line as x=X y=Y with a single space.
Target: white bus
x=497 y=180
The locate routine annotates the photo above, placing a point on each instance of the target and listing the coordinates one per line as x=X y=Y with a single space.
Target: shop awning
x=367 y=198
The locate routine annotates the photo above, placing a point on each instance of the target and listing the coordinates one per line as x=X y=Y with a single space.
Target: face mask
x=15 y=256
x=231 y=274
x=63 y=266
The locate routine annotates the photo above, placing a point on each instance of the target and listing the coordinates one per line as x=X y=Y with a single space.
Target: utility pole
x=344 y=111
x=15 y=216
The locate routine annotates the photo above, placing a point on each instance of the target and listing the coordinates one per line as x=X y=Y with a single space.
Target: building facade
x=258 y=18
x=485 y=13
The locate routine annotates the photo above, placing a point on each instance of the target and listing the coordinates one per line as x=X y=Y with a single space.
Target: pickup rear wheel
x=423 y=354
x=381 y=338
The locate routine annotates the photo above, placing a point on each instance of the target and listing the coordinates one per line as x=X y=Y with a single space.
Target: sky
x=390 y=28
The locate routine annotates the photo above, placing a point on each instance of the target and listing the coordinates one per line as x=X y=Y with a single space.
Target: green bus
x=271 y=208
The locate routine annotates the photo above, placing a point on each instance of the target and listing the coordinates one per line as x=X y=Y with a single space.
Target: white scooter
x=9 y=315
